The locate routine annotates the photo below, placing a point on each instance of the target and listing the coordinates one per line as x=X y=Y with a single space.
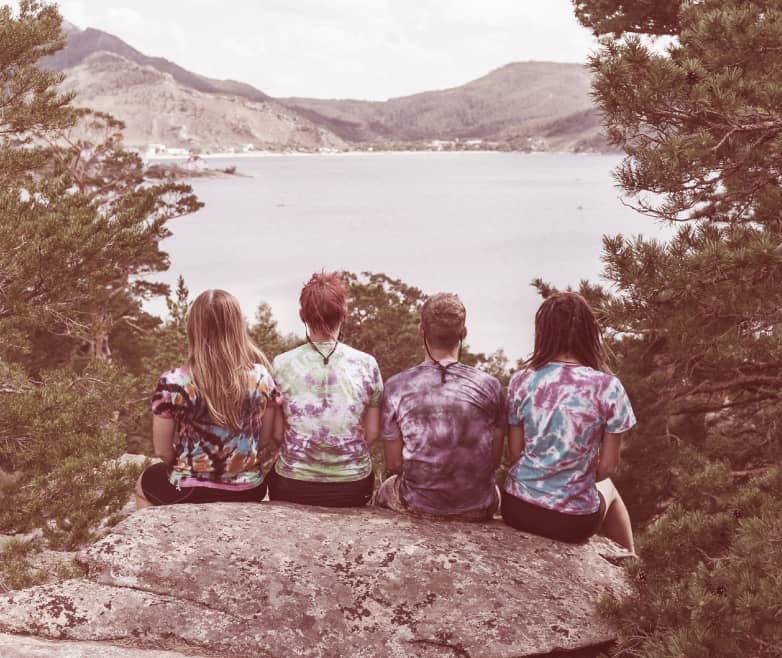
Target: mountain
x=164 y=104
x=83 y=43
x=521 y=106
x=542 y=104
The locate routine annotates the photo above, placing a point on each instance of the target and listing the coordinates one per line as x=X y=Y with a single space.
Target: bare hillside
x=157 y=109
x=546 y=102
x=521 y=106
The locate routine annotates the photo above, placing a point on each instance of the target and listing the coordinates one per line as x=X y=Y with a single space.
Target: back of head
x=442 y=317
x=322 y=305
x=220 y=355
x=566 y=324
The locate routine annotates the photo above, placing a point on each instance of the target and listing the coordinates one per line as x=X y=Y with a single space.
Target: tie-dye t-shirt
x=207 y=454
x=324 y=406
x=447 y=431
x=564 y=410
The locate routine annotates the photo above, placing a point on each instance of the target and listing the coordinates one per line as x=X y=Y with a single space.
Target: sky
x=368 y=49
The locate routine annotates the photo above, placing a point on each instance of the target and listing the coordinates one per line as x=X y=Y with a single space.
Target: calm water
x=482 y=225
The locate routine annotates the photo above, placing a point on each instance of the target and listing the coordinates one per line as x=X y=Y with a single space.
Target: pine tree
x=80 y=229
x=697 y=322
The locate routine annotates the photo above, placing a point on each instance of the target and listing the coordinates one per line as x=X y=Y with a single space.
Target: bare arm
x=497 y=445
x=278 y=425
x=163 y=431
x=393 y=453
x=371 y=424
x=515 y=442
x=268 y=419
x=608 y=459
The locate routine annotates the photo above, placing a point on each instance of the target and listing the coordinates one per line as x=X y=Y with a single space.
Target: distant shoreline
x=266 y=154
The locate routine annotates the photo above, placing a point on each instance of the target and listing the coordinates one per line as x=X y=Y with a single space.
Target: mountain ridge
x=519 y=106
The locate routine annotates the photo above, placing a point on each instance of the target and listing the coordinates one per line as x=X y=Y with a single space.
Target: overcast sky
x=373 y=49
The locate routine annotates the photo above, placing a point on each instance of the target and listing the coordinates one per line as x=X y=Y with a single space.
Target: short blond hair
x=443 y=316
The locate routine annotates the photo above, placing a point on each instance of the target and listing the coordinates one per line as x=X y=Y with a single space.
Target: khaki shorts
x=389 y=496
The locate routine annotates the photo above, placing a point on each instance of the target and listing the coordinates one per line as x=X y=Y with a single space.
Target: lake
x=482 y=225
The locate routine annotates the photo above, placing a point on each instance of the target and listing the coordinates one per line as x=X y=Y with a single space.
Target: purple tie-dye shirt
x=564 y=410
x=447 y=430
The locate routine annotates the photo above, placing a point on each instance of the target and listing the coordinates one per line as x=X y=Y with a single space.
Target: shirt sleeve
x=618 y=411
x=376 y=385
x=170 y=397
x=390 y=430
x=267 y=387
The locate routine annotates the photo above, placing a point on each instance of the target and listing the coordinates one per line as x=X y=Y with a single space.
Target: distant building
x=441 y=144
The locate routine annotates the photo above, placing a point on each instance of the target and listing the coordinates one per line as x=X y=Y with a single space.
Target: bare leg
x=616 y=523
x=141 y=500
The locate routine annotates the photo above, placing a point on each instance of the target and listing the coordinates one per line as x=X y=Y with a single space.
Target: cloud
x=342 y=48
x=127 y=19
x=245 y=47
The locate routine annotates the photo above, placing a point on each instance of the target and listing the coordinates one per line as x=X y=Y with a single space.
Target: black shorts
x=573 y=528
x=159 y=491
x=324 y=494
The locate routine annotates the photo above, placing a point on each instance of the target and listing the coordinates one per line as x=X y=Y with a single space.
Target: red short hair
x=322 y=301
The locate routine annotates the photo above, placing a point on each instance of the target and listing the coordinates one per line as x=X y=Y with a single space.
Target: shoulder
x=601 y=380
x=176 y=377
x=258 y=373
x=482 y=377
x=405 y=377
x=286 y=358
x=357 y=356
x=521 y=378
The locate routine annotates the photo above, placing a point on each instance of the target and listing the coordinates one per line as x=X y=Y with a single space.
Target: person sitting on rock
x=331 y=408
x=443 y=426
x=566 y=416
x=211 y=414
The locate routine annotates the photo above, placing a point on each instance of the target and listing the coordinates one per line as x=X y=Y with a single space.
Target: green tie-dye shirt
x=324 y=405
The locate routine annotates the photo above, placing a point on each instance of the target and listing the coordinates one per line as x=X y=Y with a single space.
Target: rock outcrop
x=276 y=579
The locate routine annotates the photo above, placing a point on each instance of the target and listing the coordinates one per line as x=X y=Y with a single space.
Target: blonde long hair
x=220 y=354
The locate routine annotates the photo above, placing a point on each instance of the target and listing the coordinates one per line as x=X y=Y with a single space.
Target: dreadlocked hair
x=566 y=324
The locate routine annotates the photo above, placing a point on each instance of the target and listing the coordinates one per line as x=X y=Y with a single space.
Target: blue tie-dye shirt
x=564 y=410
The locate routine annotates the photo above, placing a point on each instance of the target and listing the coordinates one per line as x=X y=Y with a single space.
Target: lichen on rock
x=277 y=579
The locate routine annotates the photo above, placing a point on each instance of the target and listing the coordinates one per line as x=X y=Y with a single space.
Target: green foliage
x=656 y=17
x=16 y=571
x=696 y=323
x=80 y=229
x=710 y=581
x=61 y=437
x=383 y=317
x=266 y=335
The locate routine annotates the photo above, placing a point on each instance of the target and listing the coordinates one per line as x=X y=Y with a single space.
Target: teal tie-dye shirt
x=324 y=405
x=564 y=409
